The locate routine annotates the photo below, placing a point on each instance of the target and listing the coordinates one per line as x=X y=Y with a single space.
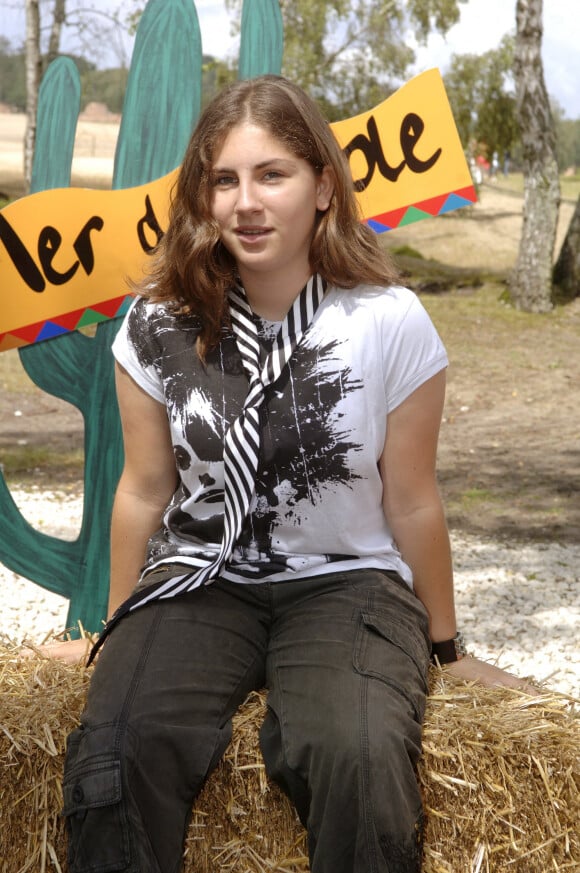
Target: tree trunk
x=33 y=74
x=567 y=269
x=58 y=19
x=531 y=281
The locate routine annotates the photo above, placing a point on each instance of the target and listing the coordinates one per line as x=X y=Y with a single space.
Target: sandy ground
x=492 y=236
x=93 y=156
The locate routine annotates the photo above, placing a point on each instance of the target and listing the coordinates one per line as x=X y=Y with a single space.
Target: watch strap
x=448 y=651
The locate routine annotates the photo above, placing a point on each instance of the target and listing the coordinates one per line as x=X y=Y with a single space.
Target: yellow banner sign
x=65 y=254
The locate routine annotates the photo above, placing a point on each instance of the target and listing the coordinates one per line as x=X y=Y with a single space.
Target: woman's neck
x=271 y=297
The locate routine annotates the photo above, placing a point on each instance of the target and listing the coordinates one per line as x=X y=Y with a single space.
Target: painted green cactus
x=161 y=97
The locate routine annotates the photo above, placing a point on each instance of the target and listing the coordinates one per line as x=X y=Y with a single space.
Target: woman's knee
x=128 y=790
x=95 y=802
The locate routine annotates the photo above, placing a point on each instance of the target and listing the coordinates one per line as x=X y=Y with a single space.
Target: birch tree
x=33 y=62
x=93 y=29
x=531 y=280
x=58 y=20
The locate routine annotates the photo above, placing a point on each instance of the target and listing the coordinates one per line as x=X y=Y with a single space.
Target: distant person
x=277 y=523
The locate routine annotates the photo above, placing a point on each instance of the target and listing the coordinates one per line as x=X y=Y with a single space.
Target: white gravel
x=517 y=605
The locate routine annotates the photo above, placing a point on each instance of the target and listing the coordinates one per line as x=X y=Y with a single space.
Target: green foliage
x=429 y=15
x=109 y=86
x=100 y=86
x=351 y=54
x=12 y=76
x=13 y=79
x=105 y=86
x=481 y=92
x=216 y=75
x=406 y=251
x=567 y=142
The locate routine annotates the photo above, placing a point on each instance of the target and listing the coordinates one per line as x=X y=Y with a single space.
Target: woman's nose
x=247 y=199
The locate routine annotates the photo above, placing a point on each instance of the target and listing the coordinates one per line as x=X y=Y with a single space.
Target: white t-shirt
x=317 y=506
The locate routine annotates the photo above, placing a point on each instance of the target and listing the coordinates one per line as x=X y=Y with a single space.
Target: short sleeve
x=413 y=352
x=135 y=348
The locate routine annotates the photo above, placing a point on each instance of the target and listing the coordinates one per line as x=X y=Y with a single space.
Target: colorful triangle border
x=65 y=323
x=423 y=209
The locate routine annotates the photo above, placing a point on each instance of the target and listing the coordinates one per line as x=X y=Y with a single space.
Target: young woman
x=277 y=523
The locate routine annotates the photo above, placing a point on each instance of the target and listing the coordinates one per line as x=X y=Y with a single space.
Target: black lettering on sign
x=411 y=130
x=20 y=257
x=49 y=242
x=83 y=246
x=370 y=145
x=149 y=220
x=371 y=148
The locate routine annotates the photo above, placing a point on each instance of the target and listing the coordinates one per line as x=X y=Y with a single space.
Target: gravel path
x=517 y=605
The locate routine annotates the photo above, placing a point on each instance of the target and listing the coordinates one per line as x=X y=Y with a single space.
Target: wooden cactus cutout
x=261 y=39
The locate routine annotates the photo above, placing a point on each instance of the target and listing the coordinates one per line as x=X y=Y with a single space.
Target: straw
x=500 y=777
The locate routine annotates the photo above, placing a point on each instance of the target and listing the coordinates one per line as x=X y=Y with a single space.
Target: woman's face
x=265 y=199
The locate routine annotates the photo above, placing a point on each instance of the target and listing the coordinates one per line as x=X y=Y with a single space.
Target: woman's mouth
x=251 y=233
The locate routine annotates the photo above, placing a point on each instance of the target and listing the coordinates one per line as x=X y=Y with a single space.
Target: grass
x=457 y=312
x=22 y=465
x=13 y=377
x=486 y=336
x=474 y=500
x=475 y=496
x=24 y=462
x=569 y=185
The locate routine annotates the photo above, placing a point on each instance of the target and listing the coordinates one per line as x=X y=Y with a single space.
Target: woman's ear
x=324 y=189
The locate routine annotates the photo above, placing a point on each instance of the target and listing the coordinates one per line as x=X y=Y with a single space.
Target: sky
x=484 y=22
x=482 y=25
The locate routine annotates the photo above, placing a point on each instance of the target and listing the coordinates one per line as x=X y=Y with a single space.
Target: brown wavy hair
x=191 y=268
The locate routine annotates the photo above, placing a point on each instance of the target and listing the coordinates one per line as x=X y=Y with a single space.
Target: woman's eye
x=272 y=175
x=223 y=181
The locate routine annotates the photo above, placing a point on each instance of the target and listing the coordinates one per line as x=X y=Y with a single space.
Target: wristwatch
x=448 y=651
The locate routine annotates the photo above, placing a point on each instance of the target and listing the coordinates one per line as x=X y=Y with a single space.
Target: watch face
x=460 y=649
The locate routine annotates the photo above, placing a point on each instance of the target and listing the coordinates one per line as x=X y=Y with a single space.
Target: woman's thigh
x=183 y=657
x=347 y=670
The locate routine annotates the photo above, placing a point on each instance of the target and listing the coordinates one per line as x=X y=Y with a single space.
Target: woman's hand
x=71 y=651
x=473 y=670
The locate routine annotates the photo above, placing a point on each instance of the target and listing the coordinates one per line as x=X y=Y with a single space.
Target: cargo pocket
x=96 y=818
x=393 y=650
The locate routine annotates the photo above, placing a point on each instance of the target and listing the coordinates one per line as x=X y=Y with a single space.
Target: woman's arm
x=412 y=502
x=414 y=512
x=148 y=481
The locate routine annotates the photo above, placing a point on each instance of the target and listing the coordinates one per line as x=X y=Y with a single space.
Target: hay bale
x=501 y=780
x=500 y=777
